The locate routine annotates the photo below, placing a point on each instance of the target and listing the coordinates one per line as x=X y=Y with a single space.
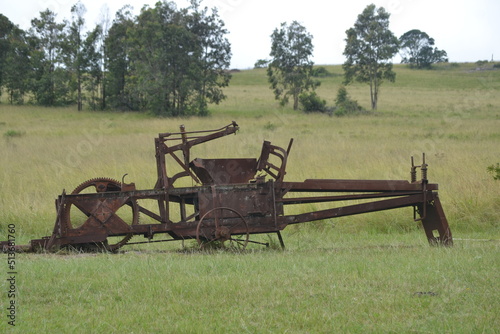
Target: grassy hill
x=368 y=273
x=446 y=88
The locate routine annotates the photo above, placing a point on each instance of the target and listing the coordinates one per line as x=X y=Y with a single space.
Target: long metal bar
x=354 y=209
x=322 y=199
x=151 y=241
x=333 y=185
x=168 y=134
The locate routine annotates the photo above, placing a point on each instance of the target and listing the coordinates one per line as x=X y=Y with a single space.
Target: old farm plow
x=229 y=200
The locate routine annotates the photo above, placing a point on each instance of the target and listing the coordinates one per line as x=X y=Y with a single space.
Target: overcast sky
x=468 y=30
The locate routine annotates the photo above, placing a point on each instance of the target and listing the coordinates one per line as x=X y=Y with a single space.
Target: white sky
x=468 y=30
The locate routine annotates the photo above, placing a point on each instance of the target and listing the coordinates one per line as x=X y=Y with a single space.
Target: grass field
x=370 y=273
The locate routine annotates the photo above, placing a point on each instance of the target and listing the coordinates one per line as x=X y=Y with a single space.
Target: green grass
x=356 y=274
x=325 y=283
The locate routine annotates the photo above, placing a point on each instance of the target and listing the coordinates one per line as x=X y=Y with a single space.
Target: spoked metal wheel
x=233 y=232
x=75 y=217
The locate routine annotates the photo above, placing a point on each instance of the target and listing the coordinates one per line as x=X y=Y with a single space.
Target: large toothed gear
x=99 y=185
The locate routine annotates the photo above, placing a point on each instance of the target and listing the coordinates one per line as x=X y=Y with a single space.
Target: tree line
x=174 y=61
x=166 y=60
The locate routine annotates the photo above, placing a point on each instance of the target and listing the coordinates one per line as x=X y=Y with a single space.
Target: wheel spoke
x=224 y=229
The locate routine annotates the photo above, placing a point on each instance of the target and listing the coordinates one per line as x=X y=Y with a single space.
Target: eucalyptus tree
x=73 y=55
x=92 y=65
x=290 y=68
x=104 y=26
x=370 y=47
x=117 y=50
x=49 y=84
x=212 y=58
x=417 y=49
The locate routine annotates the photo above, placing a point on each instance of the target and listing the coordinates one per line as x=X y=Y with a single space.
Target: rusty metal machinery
x=230 y=200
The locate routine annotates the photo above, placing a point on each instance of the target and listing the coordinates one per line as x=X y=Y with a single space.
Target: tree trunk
x=103 y=94
x=295 y=102
x=372 y=96
x=374 y=92
x=79 y=97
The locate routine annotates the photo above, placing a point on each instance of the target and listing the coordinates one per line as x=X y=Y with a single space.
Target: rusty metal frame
x=250 y=198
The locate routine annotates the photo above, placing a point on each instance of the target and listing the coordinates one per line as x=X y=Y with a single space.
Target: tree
x=14 y=61
x=92 y=65
x=290 y=69
x=49 y=85
x=370 y=46
x=104 y=24
x=82 y=58
x=16 y=74
x=117 y=48
x=163 y=51
x=6 y=27
x=214 y=58
x=73 y=49
x=417 y=50
x=178 y=59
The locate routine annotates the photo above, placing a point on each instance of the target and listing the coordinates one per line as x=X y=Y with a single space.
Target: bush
x=344 y=105
x=481 y=63
x=270 y=126
x=495 y=170
x=320 y=72
x=311 y=102
x=13 y=133
x=261 y=63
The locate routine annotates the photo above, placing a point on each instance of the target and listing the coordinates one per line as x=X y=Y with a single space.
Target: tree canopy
x=14 y=53
x=417 y=49
x=290 y=69
x=370 y=46
x=178 y=59
x=174 y=61
x=167 y=61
